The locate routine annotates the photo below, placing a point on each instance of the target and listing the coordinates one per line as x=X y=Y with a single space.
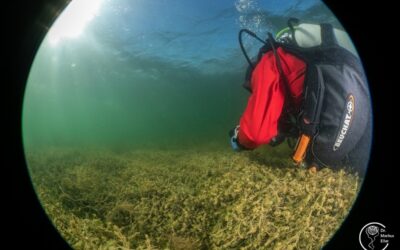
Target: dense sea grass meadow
x=208 y=198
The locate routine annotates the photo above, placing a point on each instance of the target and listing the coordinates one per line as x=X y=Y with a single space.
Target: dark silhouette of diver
x=307 y=84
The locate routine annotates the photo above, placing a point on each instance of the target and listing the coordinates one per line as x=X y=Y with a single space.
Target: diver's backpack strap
x=328 y=37
x=314 y=95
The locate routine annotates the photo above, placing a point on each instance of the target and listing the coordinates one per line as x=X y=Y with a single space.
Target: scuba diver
x=307 y=85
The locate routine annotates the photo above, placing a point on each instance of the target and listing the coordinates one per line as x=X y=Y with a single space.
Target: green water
x=87 y=97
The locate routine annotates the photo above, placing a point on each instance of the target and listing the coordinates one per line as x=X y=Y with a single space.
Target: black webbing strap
x=328 y=37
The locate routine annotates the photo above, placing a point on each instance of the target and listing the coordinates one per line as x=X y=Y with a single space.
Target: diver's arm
x=259 y=122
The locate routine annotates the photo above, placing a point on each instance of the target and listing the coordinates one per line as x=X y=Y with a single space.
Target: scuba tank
x=307 y=35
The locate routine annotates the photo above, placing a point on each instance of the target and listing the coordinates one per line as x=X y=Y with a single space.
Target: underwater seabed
x=189 y=199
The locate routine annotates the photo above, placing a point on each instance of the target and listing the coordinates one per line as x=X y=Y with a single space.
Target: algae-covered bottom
x=189 y=199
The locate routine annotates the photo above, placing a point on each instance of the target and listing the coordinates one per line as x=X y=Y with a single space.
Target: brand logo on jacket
x=346 y=123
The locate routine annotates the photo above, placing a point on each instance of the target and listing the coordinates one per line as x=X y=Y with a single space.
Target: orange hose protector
x=301 y=148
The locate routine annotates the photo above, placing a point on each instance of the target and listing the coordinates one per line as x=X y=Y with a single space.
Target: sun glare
x=73 y=20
